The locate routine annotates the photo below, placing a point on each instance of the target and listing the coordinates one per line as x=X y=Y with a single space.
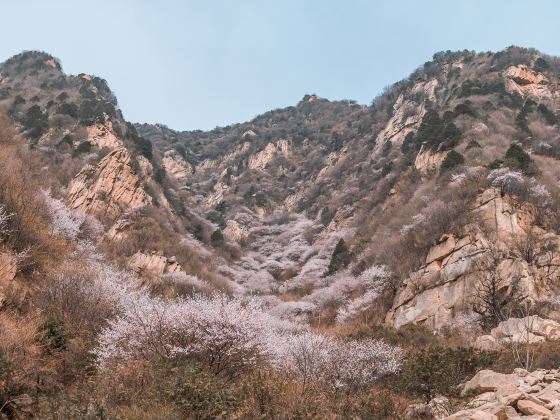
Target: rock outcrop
x=260 y=160
x=443 y=288
x=8 y=267
x=248 y=134
x=407 y=116
x=153 y=264
x=108 y=188
x=235 y=231
x=427 y=88
x=175 y=166
x=526 y=82
x=534 y=395
x=217 y=195
x=440 y=290
x=103 y=136
x=428 y=161
x=531 y=329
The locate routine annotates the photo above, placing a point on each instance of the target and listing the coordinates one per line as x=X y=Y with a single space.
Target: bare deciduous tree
x=494 y=296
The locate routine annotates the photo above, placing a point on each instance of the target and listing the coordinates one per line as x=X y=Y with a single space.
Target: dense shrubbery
x=434 y=132
x=340 y=258
x=36 y=121
x=438 y=370
x=481 y=87
x=517 y=158
x=452 y=160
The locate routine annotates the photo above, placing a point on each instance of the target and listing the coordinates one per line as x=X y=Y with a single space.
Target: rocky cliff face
x=108 y=188
x=175 y=166
x=444 y=288
x=527 y=82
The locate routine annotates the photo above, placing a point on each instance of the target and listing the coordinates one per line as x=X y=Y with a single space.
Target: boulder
x=487 y=343
x=490 y=381
x=482 y=399
x=531 y=329
x=472 y=415
x=440 y=407
x=548 y=396
x=532 y=408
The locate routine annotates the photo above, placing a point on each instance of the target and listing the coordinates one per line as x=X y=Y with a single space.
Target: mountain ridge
x=432 y=209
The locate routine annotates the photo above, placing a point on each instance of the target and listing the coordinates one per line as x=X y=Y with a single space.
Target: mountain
x=329 y=246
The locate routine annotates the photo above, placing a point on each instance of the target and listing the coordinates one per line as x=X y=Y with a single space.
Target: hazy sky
x=201 y=64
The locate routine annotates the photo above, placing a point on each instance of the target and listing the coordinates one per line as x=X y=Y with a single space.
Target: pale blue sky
x=201 y=64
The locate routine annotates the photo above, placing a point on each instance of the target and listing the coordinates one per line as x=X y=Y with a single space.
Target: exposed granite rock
x=260 y=160
x=108 y=188
x=103 y=136
x=8 y=267
x=428 y=161
x=526 y=82
x=443 y=288
x=427 y=88
x=532 y=329
x=438 y=291
x=343 y=218
x=153 y=264
x=407 y=116
x=248 y=134
x=8 y=271
x=235 y=232
x=489 y=381
x=175 y=166
x=217 y=195
x=534 y=395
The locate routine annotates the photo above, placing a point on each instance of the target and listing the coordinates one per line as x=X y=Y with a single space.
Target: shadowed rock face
x=108 y=188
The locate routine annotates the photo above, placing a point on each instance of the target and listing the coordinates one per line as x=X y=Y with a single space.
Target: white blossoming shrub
x=228 y=335
x=341 y=364
x=506 y=179
x=540 y=194
x=374 y=280
x=64 y=221
x=231 y=335
x=4 y=220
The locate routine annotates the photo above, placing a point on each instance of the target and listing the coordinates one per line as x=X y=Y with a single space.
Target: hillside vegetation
x=325 y=260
